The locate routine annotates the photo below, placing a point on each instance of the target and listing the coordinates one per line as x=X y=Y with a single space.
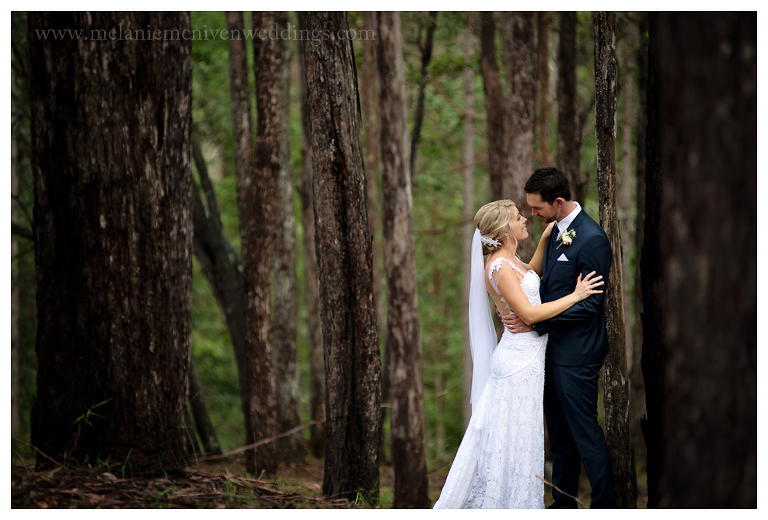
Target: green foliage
x=211 y=110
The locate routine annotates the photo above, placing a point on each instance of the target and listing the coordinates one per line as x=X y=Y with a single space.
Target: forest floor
x=208 y=485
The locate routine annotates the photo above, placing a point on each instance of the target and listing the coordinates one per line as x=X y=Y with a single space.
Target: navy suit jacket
x=578 y=335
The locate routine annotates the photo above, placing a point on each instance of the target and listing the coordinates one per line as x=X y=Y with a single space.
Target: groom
x=578 y=341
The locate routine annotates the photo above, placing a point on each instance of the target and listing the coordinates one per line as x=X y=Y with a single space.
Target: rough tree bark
x=258 y=206
x=568 y=129
x=111 y=133
x=626 y=177
x=407 y=422
x=287 y=392
x=343 y=240
x=708 y=128
x=495 y=106
x=468 y=212
x=418 y=116
x=616 y=394
x=315 y=332
x=519 y=160
x=636 y=383
x=653 y=358
x=257 y=175
x=542 y=121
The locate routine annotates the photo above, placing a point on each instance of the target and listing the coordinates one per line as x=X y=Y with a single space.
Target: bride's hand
x=587 y=286
x=545 y=234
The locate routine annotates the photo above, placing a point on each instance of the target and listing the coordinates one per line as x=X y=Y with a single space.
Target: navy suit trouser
x=570 y=406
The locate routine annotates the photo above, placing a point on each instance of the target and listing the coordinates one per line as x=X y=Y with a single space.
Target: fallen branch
x=300 y=427
x=247 y=447
x=41 y=453
x=563 y=492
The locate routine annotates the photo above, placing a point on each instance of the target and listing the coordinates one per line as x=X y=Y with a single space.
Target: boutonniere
x=567 y=238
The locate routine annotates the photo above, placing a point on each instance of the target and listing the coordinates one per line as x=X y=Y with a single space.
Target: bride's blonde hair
x=494 y=220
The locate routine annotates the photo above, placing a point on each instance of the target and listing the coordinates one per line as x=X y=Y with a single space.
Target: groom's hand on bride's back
x=514 y=324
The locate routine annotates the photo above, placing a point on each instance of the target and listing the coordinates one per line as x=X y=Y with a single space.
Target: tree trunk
x=15 y=422
x=219 y=264
x=542 y=122
x=520 y=157
x=468 y=213
x=315 y=333
x=708 y=128
x=495 y=106
x=370 y=126
x=243 y=148
x=287 y=392
x=257 y=175
x=507 y=30
x=343 y=240
x=627 y=182
x=258 y=206
x=654 y=355
x=636 y=383
x=111 y=127
x=616 y=395
x=407 y=423
x=200 y=413
x=568 y=128
x=418 y=117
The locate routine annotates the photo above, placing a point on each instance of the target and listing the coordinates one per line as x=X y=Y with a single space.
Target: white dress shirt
x=563 y=224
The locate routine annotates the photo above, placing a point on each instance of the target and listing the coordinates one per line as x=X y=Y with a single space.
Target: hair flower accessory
x=490 y=242
x=566 y=238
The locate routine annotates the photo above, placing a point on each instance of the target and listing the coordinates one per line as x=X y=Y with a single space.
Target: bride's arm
x=537 y=261
x=513 y=294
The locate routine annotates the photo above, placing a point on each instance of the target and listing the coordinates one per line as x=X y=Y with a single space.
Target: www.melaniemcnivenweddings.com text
x=119 y=33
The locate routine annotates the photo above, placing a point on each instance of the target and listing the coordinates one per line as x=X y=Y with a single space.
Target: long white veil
x=482 y=334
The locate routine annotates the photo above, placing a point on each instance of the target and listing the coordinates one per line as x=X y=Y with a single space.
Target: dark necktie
x=553 y=236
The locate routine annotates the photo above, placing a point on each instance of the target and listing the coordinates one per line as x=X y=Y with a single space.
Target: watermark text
x=120 y=33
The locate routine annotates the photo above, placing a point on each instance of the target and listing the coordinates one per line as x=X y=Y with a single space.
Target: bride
x=502 y=452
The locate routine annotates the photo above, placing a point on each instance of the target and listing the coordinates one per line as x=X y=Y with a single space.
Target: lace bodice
x=529 y=285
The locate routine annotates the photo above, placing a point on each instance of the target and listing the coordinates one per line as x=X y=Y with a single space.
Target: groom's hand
x=514 y=324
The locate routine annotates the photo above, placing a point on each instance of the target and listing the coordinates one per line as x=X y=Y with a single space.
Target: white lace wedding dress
x=503 y=448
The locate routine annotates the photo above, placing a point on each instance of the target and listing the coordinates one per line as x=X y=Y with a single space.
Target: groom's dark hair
x=550 y=183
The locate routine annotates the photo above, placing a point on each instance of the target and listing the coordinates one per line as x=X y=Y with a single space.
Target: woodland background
x=477 y=124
